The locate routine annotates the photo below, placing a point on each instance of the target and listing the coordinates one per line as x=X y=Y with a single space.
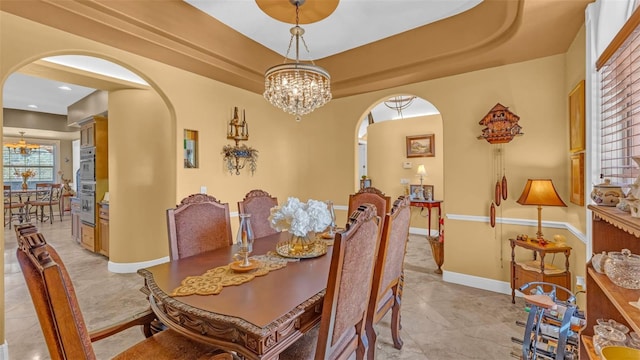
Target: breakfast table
x=257 y=318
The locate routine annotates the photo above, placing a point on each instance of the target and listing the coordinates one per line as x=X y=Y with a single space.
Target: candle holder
x=332 y=226
x=245 y=241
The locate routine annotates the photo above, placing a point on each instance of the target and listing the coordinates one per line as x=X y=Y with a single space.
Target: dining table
x=257 y=319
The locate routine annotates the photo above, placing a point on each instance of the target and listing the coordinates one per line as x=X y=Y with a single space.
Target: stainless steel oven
x=88 y=202
x=88 y=164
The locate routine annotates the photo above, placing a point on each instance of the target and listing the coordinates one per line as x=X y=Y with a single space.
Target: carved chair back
x=258 y=203
x=199 y=223
x=371 y=195
x=349 y=286
x=388 y=276
x=53 y=296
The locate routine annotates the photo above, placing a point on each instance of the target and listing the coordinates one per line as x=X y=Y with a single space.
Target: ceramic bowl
x=620 y=353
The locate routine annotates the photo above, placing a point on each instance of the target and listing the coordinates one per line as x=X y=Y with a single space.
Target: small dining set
x=204 y=305
x=20 y=205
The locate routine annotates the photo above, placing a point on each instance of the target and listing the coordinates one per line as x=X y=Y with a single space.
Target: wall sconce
x=236 y=157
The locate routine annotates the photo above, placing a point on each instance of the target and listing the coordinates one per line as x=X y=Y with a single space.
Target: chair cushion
x=168 y=344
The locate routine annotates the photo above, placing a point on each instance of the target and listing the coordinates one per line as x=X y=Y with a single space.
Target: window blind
x=620 y=106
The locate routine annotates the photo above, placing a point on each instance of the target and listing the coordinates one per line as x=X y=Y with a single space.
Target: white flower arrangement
x=300 y=218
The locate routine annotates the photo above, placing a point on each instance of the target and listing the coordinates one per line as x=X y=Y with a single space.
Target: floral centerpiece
x=300 y=219
x=25 y=175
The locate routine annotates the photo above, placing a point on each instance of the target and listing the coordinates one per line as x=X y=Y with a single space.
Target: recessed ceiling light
x=64 y=87
x=33 y=106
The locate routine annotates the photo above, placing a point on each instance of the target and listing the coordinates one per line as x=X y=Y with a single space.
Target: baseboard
x=421 y=231
x=501 y=287
x=4 y=351
x=122 y=268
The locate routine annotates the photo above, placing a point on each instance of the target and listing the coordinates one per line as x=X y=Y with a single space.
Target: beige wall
x=315 y=158
x=386 y=152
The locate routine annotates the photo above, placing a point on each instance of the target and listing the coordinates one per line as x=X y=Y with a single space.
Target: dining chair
x=13 y=207
x=47 y=195
x=373 y=196
x=258 y=203
x=61 y=320
x=199 y=223
x=388 y=274
x=341 y=333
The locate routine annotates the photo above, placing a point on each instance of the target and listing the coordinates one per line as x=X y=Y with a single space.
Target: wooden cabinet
x=613 y=230
x=87 y=237
x=103 y=229
x=538 y=269
x=75 y=220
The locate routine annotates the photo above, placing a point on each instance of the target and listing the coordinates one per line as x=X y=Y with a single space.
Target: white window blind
x=620 y=106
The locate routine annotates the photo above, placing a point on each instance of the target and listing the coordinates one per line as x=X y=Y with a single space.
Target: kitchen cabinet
x=87 y=237
x=613 y=230
x=103 y=229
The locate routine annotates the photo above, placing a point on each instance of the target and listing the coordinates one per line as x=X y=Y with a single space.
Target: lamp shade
x=422 y=170
x=540 y=192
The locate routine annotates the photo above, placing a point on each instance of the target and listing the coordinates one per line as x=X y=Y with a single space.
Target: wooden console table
x=437 y=246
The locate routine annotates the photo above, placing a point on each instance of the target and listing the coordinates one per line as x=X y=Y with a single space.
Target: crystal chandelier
x=297 y=88
x=21 y=147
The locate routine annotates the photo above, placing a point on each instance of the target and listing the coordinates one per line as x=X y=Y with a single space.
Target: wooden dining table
x=257 y=319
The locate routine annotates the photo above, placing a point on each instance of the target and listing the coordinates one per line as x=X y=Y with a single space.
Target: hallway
x=440 y=321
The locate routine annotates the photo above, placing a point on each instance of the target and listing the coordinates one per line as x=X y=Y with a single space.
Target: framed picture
x=577 y=179
x=421 y=146
x=365 y=183
x=414 y=192
x=576 y=118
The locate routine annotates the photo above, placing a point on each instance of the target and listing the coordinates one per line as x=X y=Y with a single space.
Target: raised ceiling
x=492 y=33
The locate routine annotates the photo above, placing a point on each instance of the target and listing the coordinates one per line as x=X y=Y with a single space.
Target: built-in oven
x=88 y=164
x=88 y=202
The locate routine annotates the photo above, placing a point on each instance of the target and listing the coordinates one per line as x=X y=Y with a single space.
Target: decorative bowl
x=597 y=261
x=623 y=269
x=606 y=194
x=620 y=353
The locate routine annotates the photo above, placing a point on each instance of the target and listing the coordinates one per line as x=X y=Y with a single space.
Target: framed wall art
x=577 y=179
x=576 y=118
x=421 y=146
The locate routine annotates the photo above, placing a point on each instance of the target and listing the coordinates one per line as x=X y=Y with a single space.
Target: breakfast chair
x=388 y=274
x=61 y=321
x=13 y=207
x=341 y=334
x=371 y=195
x=199 y=223
x=47 y=197
x=258 y=204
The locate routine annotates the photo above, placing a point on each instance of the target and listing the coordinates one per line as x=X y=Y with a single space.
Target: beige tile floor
x=441 y=321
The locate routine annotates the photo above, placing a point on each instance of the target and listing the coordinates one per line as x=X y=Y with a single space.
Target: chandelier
x=294 y=87
x=21 y=147
x=399 y=103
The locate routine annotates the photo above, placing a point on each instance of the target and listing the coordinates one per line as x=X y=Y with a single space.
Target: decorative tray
x=318 y=248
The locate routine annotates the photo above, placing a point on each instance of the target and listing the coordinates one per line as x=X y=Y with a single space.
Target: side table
x=437 y=246
x=522 y=273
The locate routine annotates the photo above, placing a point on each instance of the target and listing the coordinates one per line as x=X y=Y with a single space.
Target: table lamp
x=540 y=192
x=422 y=172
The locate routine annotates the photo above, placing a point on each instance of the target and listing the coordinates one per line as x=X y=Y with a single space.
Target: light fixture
x=236 y=157
x=422 y=172
x=21 y=147
x=399 y=103
x=294 y=87
x=540 y=192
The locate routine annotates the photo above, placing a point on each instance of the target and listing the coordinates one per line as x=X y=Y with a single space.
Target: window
x=619 y=69
x=41 y=160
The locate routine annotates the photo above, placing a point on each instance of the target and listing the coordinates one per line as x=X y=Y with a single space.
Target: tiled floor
x=440 y=321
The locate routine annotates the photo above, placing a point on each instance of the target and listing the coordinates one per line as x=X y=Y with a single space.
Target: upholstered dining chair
x=13 y=207
x=199 y=223
x=373 y=196
x=62 y=324
x=341 y=334
x=388 y=274
x=48 y=196
x=258 y=203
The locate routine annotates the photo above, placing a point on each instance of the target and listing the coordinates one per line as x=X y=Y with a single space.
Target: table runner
x=212 y=281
